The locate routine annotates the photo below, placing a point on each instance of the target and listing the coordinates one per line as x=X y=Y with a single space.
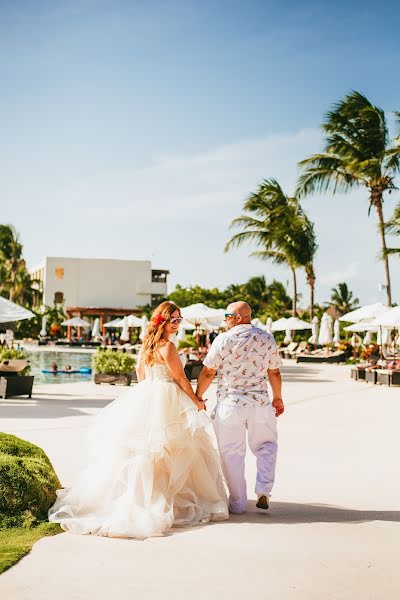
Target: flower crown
x=157 y=320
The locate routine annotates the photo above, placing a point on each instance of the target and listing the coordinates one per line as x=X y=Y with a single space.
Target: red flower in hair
x=157 y=320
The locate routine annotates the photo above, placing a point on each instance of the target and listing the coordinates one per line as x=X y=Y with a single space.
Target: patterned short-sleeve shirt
x=241 y=357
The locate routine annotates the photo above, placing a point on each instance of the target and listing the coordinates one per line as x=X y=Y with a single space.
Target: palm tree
x=342 y=298
x=279 y=227
x=357 y=153
x=393 y=227
x=14 y=277
x=11 y=257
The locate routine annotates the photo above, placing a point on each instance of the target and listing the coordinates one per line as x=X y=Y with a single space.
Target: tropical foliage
x=13 y=354
x=279 y=227
x=265 y=299
x=113 y=363
x=342 y=298
x=357 y=153
x=15 y=282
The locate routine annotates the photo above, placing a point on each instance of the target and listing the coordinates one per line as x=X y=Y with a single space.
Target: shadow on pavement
x=291 y=513
x=49 y=408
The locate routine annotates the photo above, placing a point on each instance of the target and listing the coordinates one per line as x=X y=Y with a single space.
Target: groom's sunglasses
x=176 y=320
x=228 y=315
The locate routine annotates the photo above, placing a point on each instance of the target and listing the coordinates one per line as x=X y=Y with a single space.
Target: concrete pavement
x=331 y=533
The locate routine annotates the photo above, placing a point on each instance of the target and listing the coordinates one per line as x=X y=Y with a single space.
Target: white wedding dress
x=153 y=464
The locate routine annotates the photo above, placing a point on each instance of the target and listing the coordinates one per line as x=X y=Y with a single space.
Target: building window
x=59 y=272
x=58 y=298
x=159 y=276
x=156 y=299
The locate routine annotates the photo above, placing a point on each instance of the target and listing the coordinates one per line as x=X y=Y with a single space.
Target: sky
x=136 y=130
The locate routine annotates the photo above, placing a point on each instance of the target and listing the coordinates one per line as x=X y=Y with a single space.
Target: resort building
x=104 y=288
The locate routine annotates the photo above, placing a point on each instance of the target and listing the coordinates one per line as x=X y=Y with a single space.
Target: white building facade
x=114 y=287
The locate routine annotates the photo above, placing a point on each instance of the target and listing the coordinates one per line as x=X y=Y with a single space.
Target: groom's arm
x=210 y=366
x=204 y=381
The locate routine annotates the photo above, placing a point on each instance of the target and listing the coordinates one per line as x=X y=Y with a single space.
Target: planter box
x=384 y=377
x=395 y=378
x=114 y=379
x=192 y=371
x=370 y=376
x=16 y=385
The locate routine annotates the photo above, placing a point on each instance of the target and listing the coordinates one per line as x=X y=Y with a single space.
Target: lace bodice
x=158 y=373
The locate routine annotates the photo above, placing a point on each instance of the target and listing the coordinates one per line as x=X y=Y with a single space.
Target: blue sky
x=136 y=129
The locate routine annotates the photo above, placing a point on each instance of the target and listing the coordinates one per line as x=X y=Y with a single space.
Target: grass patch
x=18 y=541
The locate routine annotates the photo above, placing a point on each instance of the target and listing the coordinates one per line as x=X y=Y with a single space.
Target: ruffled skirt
x=153 y=464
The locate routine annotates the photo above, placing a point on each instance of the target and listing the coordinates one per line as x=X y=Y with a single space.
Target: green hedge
x=28 y=483
x=113 y=363
x=13 y=354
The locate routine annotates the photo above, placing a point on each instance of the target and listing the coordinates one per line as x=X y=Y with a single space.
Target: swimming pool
x=43 y=360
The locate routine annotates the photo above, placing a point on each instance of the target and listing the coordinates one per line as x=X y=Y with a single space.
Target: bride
x=153 y=463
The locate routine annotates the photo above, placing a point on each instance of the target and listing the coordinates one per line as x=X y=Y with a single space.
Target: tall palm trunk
x=294 y=301
x=310 y=275
x=312 y=286
x=378 y=205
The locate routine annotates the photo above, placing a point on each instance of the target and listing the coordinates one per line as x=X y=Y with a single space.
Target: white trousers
x=230 y=424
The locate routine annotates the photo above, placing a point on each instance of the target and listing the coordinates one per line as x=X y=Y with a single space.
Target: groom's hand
x=203 y=402
x=278 y=405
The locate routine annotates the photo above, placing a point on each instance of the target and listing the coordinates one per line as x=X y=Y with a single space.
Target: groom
x=244 y=358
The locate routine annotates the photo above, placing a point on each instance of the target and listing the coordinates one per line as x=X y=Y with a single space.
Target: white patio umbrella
x=145 y=324
x=9 y=311
x=181 y=335
x=336 y=332
x=390 y=318
x=258 y=323
x=268 y=325
x=369 y=311
x=355 y=340
x=76 y=322
x=288 y=336
x=201 y=314
x=96 y=328
x=134 y=321
x=296 y=324
x=325 y=332
x=43 y=331
x=314 y=331
x=124 y=337
x=114 y=323
x=367 y=340
x=361 y=326
x=279 y=325
x=384 y=336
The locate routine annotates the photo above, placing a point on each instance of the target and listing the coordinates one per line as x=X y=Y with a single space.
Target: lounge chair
x=289 y=350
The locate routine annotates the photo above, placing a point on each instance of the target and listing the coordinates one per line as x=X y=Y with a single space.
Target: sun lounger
x=289 y=350
x=334 y=357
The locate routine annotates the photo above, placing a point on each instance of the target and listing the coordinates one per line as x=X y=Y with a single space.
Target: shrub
x=28 y=483
x=113 y=363
x=13 y=354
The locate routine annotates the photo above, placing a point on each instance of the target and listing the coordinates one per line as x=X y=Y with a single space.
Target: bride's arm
x=170 y=354
x=140 y=372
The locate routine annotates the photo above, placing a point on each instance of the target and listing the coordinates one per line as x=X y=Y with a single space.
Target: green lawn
x=17 y=541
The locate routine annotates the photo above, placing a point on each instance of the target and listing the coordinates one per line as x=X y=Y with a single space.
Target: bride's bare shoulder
x=166 y=348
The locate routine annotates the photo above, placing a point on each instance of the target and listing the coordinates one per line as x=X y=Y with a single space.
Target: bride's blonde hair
x=155 y=331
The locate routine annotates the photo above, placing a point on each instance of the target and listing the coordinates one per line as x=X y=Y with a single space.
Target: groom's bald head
x=241 y=308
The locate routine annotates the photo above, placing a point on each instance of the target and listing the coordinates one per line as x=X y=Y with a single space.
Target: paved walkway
x=332 y=531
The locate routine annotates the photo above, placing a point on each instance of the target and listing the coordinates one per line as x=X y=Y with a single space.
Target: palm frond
x=276 y=256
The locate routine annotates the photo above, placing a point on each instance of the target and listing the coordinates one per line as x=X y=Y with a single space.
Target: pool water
x=43 y=360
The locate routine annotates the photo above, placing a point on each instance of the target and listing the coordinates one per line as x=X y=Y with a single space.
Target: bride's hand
x=201 y=405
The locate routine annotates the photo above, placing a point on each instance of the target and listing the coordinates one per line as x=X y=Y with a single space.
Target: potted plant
x=15 y=379
x=113 y=367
